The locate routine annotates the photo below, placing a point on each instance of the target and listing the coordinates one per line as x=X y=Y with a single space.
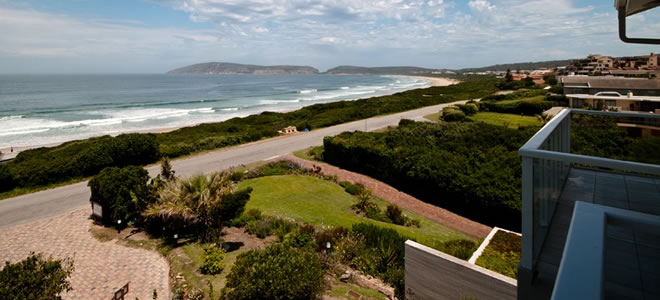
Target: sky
x=155 y=36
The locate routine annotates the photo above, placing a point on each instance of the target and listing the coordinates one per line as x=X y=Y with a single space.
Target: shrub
x=35 y=278
x=6 y=178
x=212 y=260
x=269 y=225
x=353 y=189
x=284 y=167
x=122 y=192
x=462 y=249
x=453 y=116
x=277 y=272
x=251 y=215
x=395 y=214
x=469 y=109
x=375 y=236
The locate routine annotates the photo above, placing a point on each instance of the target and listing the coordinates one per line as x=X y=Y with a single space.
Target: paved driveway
x=100 y=268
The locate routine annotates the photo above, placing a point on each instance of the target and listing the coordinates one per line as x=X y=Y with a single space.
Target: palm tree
x=190 y=201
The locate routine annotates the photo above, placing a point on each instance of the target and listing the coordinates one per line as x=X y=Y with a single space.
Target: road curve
x=26 y=208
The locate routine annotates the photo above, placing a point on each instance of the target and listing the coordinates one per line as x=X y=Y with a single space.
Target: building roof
x=600 y=82
x=622 y=97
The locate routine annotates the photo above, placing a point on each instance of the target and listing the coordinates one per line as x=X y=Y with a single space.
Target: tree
x=508 y=77
x=277 y=272
x=122 y=192
x=202 y=203
x=35 y=278
x=550 y=79
x=166 y=172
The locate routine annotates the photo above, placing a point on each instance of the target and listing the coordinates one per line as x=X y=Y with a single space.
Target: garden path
x=100 y=268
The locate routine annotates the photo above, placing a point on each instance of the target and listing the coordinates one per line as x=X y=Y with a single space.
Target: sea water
x=50 y=109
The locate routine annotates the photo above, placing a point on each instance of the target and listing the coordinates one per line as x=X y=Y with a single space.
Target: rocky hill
x=215 y=68
x=380 y=70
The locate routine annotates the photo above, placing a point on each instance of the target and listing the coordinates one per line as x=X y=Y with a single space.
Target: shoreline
x=8 y=155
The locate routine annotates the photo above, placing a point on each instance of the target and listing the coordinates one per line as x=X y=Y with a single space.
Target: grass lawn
x=502 y=254
x=312 y=200
x=511 y=120
x=530 y=99
x=434 y=117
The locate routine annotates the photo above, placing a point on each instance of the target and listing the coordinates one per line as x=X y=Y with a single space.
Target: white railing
x=546 y=162
x=582 y=267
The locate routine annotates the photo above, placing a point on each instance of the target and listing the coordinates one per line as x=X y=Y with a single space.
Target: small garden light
x=118 y=226
x=327 y=245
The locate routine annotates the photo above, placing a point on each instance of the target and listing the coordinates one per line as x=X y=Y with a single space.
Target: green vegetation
x=600 y=136
x=122 y=192
x=436 y=117
x=340 y=290
x=212 y=260
x=77 y=160
x=35 y=278
x=509 y=120
x=471 y=168
x=313 y=200
x=198 y=206
x=502 y=254
x=311 y=153
x=526 y=106
x=277 y=272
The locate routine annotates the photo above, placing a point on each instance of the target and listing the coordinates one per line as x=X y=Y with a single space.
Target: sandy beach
x=438 y=81
x=8 y=154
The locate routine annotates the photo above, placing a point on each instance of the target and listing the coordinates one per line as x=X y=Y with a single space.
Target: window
x=609 y=103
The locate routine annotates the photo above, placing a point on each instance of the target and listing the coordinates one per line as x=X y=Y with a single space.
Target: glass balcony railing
x=547 y=162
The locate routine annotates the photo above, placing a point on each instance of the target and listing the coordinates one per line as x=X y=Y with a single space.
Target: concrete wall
x=433 y=275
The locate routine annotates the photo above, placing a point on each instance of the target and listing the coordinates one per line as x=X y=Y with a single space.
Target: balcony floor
x=632 y=259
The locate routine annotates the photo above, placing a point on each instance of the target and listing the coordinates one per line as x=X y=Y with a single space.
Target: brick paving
x=392 y=195
x=100 y=267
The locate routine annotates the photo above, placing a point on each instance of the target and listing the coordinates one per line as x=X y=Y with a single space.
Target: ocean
x=51 y=109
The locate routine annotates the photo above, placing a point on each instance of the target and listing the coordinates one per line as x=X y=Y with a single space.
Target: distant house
x=622 y=103
x=288 y=130
x=591 y=85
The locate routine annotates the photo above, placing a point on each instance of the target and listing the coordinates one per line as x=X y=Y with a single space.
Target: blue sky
x=154 y=36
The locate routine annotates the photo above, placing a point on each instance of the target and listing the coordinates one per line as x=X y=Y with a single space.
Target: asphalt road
x=26 y=208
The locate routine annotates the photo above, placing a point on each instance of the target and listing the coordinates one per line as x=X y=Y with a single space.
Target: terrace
x=591 y=225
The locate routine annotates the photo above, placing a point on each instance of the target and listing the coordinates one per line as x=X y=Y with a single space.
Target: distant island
x=222 y=68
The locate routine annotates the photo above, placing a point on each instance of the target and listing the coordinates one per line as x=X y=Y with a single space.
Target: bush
x=375 y=236
x=122 y=192
x=251 y=215
x=6 y=178
x=353 y=189
x=462 y=249
x=469 y=109
x=277 y=272
x=268 y=226
x=453 y=116
x=471 y=168
x=231 y=206
x=395 y=214
x=212 y=260
x=35 y=278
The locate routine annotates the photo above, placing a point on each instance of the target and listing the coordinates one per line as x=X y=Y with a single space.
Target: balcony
x=590 y=225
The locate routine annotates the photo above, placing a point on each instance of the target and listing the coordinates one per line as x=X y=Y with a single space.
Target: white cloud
x=322 y=33
x=481 y=5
